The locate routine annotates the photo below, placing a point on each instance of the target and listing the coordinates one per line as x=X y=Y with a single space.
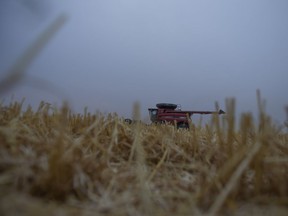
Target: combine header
x=172 y=113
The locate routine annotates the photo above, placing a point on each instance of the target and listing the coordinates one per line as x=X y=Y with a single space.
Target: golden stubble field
x=55 y=162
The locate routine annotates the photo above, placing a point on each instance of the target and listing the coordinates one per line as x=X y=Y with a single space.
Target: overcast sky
x=110 y=54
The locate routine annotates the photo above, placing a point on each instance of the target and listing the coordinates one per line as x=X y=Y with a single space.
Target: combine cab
x=171 y=113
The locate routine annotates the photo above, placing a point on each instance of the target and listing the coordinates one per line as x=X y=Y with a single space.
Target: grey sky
x=112 y=53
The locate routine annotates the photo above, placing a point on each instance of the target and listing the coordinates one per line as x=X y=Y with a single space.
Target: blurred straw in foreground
x=17 y=72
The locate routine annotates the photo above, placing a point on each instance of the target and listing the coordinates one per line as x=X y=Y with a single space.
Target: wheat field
x=56 y=162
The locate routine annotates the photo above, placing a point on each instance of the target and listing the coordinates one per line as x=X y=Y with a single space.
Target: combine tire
x=182 y=125
x=166 y=106
x=129 y=121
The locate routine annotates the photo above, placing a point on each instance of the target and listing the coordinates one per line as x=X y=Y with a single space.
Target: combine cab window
x=153 y=114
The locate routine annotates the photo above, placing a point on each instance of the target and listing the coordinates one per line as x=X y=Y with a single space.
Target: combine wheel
x=129 y=121
x=182 y=125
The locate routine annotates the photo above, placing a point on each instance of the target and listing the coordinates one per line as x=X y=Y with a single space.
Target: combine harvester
x=172 y=114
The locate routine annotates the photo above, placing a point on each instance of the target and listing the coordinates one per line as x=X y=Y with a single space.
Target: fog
x=110 y=54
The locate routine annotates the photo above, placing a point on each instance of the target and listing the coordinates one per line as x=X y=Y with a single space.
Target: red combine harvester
x=172 y=113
